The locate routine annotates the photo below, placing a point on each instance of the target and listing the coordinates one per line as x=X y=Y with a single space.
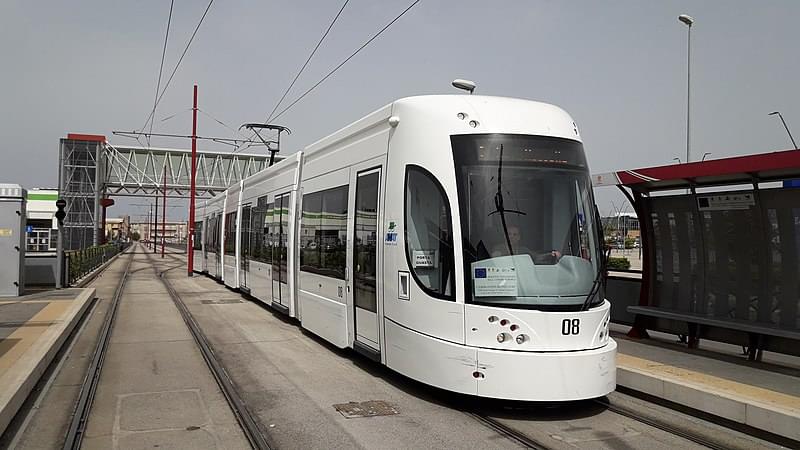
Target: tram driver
x=518 y=248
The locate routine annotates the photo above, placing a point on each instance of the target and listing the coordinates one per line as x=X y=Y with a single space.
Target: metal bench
x=756 y=332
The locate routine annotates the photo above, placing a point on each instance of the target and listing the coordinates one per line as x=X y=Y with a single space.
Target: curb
x=764 y=416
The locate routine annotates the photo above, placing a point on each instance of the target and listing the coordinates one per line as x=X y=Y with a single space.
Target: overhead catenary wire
x=339 y=66
x=185 y=50
x=161 y=67
x=286 y=92
x=362 y=47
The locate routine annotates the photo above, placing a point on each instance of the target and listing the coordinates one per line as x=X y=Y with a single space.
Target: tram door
x=244 y=245
x=364 y=265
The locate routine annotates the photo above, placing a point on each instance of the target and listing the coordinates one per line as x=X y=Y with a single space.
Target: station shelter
x=721 y=242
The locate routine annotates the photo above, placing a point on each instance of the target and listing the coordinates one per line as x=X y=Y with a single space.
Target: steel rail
x=243 y=415
x=674 y=430
x=509 y=432
x=80 y=415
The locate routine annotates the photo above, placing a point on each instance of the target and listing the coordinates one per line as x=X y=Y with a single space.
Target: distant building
x=118 y=229
x=41 y=233
x=173 y=232
x=625 y=225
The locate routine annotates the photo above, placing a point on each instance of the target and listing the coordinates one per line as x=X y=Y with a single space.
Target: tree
x=135 y=235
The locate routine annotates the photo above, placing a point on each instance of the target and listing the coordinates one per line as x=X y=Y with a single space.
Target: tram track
x=528 y=441
x=83 y=406
x=246 y=419
x=674 y=430
x=253 y=432
x=509 y=432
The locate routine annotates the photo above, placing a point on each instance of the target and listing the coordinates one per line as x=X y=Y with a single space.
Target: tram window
x=323 y=234
x=429 y=234
x=198 y=233
x=310 y=230
x=257 y=227
x=246 y=231
x=230 y=233
x=269 y=232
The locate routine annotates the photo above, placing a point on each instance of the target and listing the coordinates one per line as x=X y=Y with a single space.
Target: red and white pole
x=190 y=239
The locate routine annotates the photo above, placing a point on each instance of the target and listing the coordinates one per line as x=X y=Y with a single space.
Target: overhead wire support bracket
x=254 y=127
x=227 y=141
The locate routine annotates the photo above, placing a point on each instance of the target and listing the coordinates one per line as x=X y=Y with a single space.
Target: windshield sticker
x=495 y=281
x=391 y=233
x=424 y=258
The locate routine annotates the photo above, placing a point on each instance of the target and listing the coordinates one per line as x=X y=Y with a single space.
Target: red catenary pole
x=190 y=238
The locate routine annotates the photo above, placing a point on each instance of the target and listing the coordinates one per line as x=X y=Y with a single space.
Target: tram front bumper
x=547 y=376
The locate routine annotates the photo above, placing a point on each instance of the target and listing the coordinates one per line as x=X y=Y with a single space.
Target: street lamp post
x=688 y=20
x=785 y=126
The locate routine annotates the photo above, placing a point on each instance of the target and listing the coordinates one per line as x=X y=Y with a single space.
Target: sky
x=618 y=67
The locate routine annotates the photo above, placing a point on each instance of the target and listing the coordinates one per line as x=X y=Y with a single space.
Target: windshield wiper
x=498 y=202
x=599 y=280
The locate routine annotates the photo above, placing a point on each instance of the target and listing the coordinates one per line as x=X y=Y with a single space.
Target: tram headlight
x=522 y=338
x=502 y=337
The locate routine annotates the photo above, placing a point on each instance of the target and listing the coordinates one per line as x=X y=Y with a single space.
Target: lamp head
x=773 y=113
x=688 y=20
x=466 y=85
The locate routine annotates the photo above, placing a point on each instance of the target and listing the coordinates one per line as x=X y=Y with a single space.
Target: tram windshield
x=528 y=221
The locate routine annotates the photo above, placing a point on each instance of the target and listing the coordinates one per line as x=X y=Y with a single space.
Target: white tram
x=452 y=238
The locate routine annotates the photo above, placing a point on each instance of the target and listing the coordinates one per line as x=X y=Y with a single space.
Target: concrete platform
x=763 y=396
x=32 y=330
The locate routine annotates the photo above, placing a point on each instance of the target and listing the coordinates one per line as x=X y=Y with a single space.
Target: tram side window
x=247 y=230
x=310 y=230
x=257 y=229
x=323 y=241
x=210 y=230
x=198 y=235
x=429 y=234
x=269 y=233
x=230 y=233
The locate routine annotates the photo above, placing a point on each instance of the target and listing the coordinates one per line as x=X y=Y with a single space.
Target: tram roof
x=761 y=167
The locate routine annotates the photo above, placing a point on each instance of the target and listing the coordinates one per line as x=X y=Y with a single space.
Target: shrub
x=616 y=263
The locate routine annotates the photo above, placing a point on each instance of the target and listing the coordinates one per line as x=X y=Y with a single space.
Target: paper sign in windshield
x=495 y=281
x=424 y=258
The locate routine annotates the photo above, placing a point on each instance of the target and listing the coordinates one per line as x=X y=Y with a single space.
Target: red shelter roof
x=775 y=166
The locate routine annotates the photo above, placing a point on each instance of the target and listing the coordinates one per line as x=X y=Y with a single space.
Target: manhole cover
x=219 y=302
x=369 y=408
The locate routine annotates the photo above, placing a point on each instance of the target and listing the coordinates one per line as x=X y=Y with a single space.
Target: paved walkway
x=32 y=329
x=155 y=388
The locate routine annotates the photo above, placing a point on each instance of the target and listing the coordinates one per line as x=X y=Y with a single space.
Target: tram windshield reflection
x=528 y=220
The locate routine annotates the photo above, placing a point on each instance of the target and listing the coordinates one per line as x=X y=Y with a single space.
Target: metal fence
x=79 y=263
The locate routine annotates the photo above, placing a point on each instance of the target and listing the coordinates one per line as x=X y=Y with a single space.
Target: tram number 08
x=570 y=327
